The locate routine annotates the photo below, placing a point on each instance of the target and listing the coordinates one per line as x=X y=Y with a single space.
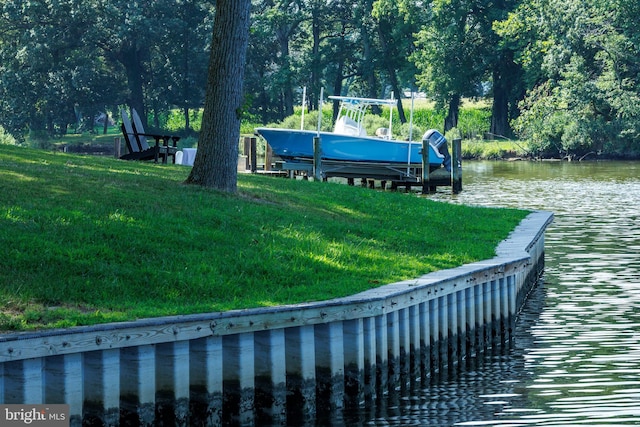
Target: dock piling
x=456 y=166
x=317 y=158
x=425 y=166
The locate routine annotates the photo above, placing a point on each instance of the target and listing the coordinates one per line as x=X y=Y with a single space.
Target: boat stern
x=439 y=143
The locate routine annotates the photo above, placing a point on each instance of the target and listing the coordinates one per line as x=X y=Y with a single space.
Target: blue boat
x=349 y=141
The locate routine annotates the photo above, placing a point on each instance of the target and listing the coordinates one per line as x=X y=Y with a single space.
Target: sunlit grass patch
x=89 y=240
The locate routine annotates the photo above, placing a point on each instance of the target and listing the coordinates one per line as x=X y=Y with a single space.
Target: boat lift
x=352 y=111
x=399 y=175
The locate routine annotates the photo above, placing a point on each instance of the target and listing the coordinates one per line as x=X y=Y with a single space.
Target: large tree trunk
x=500 y=109
x=507 y=75
x=451 y=121
x=216 y=164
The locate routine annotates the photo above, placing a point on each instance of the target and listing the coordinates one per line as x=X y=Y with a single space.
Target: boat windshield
x=354 y=109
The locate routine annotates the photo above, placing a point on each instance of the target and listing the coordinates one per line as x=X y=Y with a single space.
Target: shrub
x=5 y=138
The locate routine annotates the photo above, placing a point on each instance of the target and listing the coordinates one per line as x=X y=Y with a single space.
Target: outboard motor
x=439 y=142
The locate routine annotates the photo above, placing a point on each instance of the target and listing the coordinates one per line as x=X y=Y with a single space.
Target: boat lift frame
x=400 y=174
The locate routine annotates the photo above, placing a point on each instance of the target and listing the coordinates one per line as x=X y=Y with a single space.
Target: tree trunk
x=216 y=164
x=451 y=121
x=368 y=51
x=383 y=31
x=285 y=64
x=398 y=92
x=499 y=111
x=187 y=122
x=105 y=125
x=316 y=71
x=130 y=58
x=505 y=75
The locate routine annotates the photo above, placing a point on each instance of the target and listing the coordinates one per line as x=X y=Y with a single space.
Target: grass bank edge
x=90 y=240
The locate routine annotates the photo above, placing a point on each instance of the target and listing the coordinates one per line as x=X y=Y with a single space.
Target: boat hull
x=298 y=144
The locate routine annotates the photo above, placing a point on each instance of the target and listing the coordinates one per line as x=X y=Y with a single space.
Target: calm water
x=575 y=358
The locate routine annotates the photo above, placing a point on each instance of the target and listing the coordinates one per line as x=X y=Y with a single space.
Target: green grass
x=90 y=240
x=494 y=149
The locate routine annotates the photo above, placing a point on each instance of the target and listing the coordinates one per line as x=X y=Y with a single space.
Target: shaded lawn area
x=88 y=240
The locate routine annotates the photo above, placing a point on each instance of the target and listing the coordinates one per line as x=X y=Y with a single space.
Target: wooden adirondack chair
x=138 y=145
x=167 y=149
x=135 y=152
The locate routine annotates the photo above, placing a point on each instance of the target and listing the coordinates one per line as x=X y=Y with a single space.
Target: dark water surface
x=575 y=356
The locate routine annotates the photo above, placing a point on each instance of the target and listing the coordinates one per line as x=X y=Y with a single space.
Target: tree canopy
x=582 y=64
x=563 y=74
x=63 y=61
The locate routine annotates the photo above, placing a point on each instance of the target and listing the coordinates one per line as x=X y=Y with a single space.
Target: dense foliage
x=582 y=67
x=562 y=74
x=64 y=61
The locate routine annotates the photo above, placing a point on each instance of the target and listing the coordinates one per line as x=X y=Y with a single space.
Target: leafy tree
x=129 y=35
x=397 y=22
x=581 y=58
x=217 y=159
x=342 y=49
x=449 y=55
x=504 y=73
x=272 y=74
x=50 y=68
x=306 y=43
x=179 y=64
x=459 y=52
x=65 y=60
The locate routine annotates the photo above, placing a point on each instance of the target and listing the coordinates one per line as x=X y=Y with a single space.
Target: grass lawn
x=87 y=240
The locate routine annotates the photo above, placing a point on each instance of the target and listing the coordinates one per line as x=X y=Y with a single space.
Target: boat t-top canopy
x=354 y=108
x=366 y=101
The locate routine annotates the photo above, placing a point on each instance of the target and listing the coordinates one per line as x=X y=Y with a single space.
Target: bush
x=428 y=118
x=5 y=138
x=310 y=120
x=474 y=121
x=175 y=120
x=494 y=149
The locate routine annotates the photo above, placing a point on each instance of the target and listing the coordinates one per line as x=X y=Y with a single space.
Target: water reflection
x=575 y=359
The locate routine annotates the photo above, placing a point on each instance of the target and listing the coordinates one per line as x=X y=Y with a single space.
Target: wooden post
x=253 y=155
x=456 y=166
x=116 y=147
x=317 y=158
x=246 y=152
x=425 y=166
x=267 y=157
